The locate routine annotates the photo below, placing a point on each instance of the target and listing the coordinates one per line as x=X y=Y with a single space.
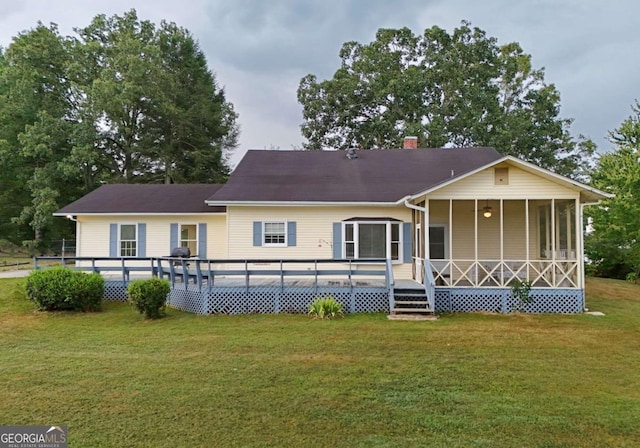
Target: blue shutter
x=202 y=240
x=337 y=240
x=113 y=240
x=257 y=233
x=173 y=237
x=407 y=246
x=291 y=233
x=142 y=240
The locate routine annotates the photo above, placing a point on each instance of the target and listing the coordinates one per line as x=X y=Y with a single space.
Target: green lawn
x=466 y=380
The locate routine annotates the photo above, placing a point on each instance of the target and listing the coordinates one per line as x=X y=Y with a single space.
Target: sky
x=260 y=49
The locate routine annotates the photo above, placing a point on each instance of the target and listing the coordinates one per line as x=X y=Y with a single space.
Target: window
x=371 y=240
x=437 y=242
x=128 y=240
x=189 y=237
x=274 y=234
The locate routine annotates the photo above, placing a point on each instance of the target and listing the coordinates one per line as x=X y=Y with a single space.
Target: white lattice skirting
x=264 y=299
x=499 y=300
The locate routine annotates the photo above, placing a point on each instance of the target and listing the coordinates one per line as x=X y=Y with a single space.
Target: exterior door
x=418 y=255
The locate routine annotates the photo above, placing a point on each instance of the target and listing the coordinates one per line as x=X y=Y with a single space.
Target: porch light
x=487 y=211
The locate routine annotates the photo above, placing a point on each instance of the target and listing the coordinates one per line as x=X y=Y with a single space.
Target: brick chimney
x=410 y=143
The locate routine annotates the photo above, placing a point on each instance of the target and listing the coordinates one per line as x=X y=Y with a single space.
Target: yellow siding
x=93 y=233
x=522 y=184
x=314 y=228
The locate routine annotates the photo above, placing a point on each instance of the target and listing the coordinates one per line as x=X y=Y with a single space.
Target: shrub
x=61 y=288
x=521 y=291
x=325 y=308
x=149 y=296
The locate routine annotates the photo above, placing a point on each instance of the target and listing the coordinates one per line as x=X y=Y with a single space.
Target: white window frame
x=264 y=233
x=356 y=238
x=180 y=240
x=446 y=240
x=135 y=241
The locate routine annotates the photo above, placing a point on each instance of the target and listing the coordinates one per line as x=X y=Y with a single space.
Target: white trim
x=304 y=204
x=119 y=238
x=189 y=223
x=388 y=241
x=77 y=214
x=446 y=228
x=527 y=167
x=264 y=233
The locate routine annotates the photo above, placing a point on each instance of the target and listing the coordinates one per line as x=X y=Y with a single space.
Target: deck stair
x=411 y=302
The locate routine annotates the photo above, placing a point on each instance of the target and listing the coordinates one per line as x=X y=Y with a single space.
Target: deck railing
x=121 y=267
x=430 y=286
x=209 y=273
x=542 y=273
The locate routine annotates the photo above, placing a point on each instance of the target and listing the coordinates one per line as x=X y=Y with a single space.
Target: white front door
x=418 y=255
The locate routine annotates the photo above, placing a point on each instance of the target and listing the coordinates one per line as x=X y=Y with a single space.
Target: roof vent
x=352 y=154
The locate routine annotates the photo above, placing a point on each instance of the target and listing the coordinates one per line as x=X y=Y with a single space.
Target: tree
x=458 y=89
x=34 y=133
x=122 y=101
x=614 y=245
x=160 y=113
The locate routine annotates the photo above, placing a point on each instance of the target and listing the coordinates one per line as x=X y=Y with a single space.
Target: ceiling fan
x=487 y=210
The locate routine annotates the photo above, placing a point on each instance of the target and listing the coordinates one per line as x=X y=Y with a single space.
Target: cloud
x=289 y=35
x=260 y=49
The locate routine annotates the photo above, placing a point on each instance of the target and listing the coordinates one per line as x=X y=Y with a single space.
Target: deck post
x=199 y=275
x=315 y=270
x=246 y=275
x=185 y=274
x=352 y=296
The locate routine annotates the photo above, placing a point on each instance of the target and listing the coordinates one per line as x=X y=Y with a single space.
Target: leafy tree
x=195 y=124
x=458 y=89
x=34 y=144
x=614 y=245
x=159 y=111
x=123 y=101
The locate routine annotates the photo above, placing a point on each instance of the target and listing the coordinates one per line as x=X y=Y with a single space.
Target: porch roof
x=587 y=192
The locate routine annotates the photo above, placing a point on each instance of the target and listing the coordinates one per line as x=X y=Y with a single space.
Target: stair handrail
x=390 y=284
x=429 y=284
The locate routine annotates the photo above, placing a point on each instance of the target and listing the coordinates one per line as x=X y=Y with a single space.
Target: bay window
x=372 y=240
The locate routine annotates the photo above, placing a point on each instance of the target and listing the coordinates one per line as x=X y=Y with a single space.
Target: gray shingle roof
x=145 y=198
x=329 y=176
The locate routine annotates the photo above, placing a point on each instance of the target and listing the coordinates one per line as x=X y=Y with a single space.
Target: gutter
x=413 y=206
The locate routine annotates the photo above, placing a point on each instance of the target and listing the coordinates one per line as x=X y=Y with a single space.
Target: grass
x=466 y=380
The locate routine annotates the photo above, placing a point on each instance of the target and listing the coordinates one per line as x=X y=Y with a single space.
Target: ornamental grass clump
x=149 y=296
x=326 y=308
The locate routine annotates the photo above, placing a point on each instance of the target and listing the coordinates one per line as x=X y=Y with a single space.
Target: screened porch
x=491 y=243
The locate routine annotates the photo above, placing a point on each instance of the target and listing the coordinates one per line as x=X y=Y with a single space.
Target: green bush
x=521 y=291
x=61 y=288
x=325 y=308
x=149 y=296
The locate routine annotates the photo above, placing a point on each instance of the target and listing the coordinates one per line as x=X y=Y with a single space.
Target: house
x=464 y=222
